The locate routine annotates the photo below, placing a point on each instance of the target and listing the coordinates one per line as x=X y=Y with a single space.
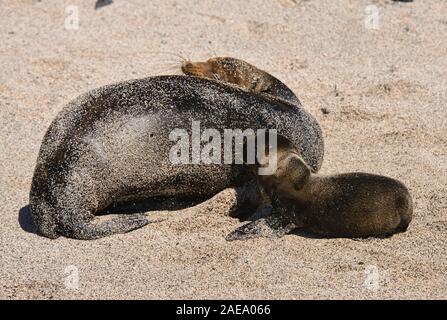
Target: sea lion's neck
x=312 y=191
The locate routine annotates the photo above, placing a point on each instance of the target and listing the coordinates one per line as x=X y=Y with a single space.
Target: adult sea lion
x=112 y=145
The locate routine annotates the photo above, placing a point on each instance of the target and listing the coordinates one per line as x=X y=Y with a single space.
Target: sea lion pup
x=354 y=205
x=112 y=145
x=242 y=74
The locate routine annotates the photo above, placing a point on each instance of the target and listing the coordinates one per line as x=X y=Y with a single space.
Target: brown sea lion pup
x=242 y=74
x=355 y=205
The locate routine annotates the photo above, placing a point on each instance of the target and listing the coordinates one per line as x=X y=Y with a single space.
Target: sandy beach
x=377 y=87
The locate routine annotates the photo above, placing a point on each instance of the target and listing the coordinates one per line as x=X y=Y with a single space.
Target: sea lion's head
x=200 y=69
x=230 y=70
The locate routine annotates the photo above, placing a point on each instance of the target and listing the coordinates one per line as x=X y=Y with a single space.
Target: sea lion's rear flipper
x=273 y=226
x=107 y=225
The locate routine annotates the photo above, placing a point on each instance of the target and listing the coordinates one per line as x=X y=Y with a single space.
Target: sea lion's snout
x=187 y=67
x=198 y=69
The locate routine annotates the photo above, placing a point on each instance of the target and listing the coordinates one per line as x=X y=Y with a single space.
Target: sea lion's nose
x=187 y=66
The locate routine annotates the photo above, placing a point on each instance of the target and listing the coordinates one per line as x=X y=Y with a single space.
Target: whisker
x=169 y=68
x=183 y=59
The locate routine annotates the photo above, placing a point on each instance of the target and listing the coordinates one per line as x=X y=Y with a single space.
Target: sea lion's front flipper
x=247 y=199
x=273 y=226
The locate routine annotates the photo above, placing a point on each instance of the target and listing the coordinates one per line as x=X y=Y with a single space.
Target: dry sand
x=386 y=94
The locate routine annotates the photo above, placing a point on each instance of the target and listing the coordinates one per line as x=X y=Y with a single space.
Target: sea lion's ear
x=273 y=226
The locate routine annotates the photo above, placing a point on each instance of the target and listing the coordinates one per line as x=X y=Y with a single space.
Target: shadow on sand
x=26 y=221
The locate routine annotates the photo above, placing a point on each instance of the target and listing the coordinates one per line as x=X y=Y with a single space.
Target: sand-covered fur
x=113 y=144
x=379 y=96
